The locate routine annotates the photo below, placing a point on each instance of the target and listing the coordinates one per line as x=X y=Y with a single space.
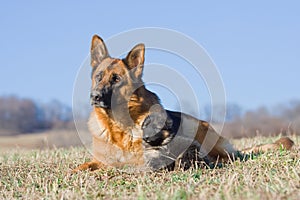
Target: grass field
x=45 y=174
x=44 y=140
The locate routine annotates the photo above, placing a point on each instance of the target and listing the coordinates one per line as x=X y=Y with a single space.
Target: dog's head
x=113 y=79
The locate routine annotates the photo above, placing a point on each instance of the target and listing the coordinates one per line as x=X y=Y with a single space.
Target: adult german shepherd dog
x=131 y=128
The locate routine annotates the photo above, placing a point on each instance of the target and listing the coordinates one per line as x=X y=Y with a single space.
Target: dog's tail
x=283 y=143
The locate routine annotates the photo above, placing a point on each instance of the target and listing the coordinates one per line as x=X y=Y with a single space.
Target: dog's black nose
x=95 y=96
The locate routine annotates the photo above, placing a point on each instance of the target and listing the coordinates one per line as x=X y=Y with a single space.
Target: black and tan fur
x=131 y=128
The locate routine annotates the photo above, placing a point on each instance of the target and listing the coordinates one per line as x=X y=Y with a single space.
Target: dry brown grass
x=44 y=140
x=44 y=174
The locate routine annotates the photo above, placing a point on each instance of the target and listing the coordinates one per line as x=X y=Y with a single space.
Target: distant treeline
x=21 y=115
x=282 y=119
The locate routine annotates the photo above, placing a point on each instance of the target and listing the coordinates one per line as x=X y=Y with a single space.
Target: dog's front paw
x=92 y=166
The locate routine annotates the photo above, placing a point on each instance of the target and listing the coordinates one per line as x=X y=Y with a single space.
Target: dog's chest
x=113 y=155
x=116 y=147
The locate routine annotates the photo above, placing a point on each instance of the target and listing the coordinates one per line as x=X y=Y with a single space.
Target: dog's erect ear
x=135 y=59
x=98 y=51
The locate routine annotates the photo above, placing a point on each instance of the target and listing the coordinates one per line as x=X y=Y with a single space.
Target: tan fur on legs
x=92 y=165
x=284 y=142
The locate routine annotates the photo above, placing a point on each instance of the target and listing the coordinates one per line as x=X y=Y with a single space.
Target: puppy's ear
x=98 y=51
x=135 y=60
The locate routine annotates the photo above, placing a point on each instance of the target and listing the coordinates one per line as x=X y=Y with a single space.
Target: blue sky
x=255 y=44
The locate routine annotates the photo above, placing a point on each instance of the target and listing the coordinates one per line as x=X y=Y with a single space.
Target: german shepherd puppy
x=131 y=128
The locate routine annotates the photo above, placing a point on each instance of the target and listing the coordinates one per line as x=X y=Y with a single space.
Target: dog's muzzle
x=100 y=99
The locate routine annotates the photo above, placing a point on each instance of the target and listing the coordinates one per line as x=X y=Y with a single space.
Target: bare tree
x=24 y=115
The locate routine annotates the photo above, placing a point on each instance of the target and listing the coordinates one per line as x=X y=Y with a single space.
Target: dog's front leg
x=92 y=166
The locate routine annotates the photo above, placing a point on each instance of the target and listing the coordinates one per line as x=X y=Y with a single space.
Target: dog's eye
x=115 y=78
x=98 y=77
